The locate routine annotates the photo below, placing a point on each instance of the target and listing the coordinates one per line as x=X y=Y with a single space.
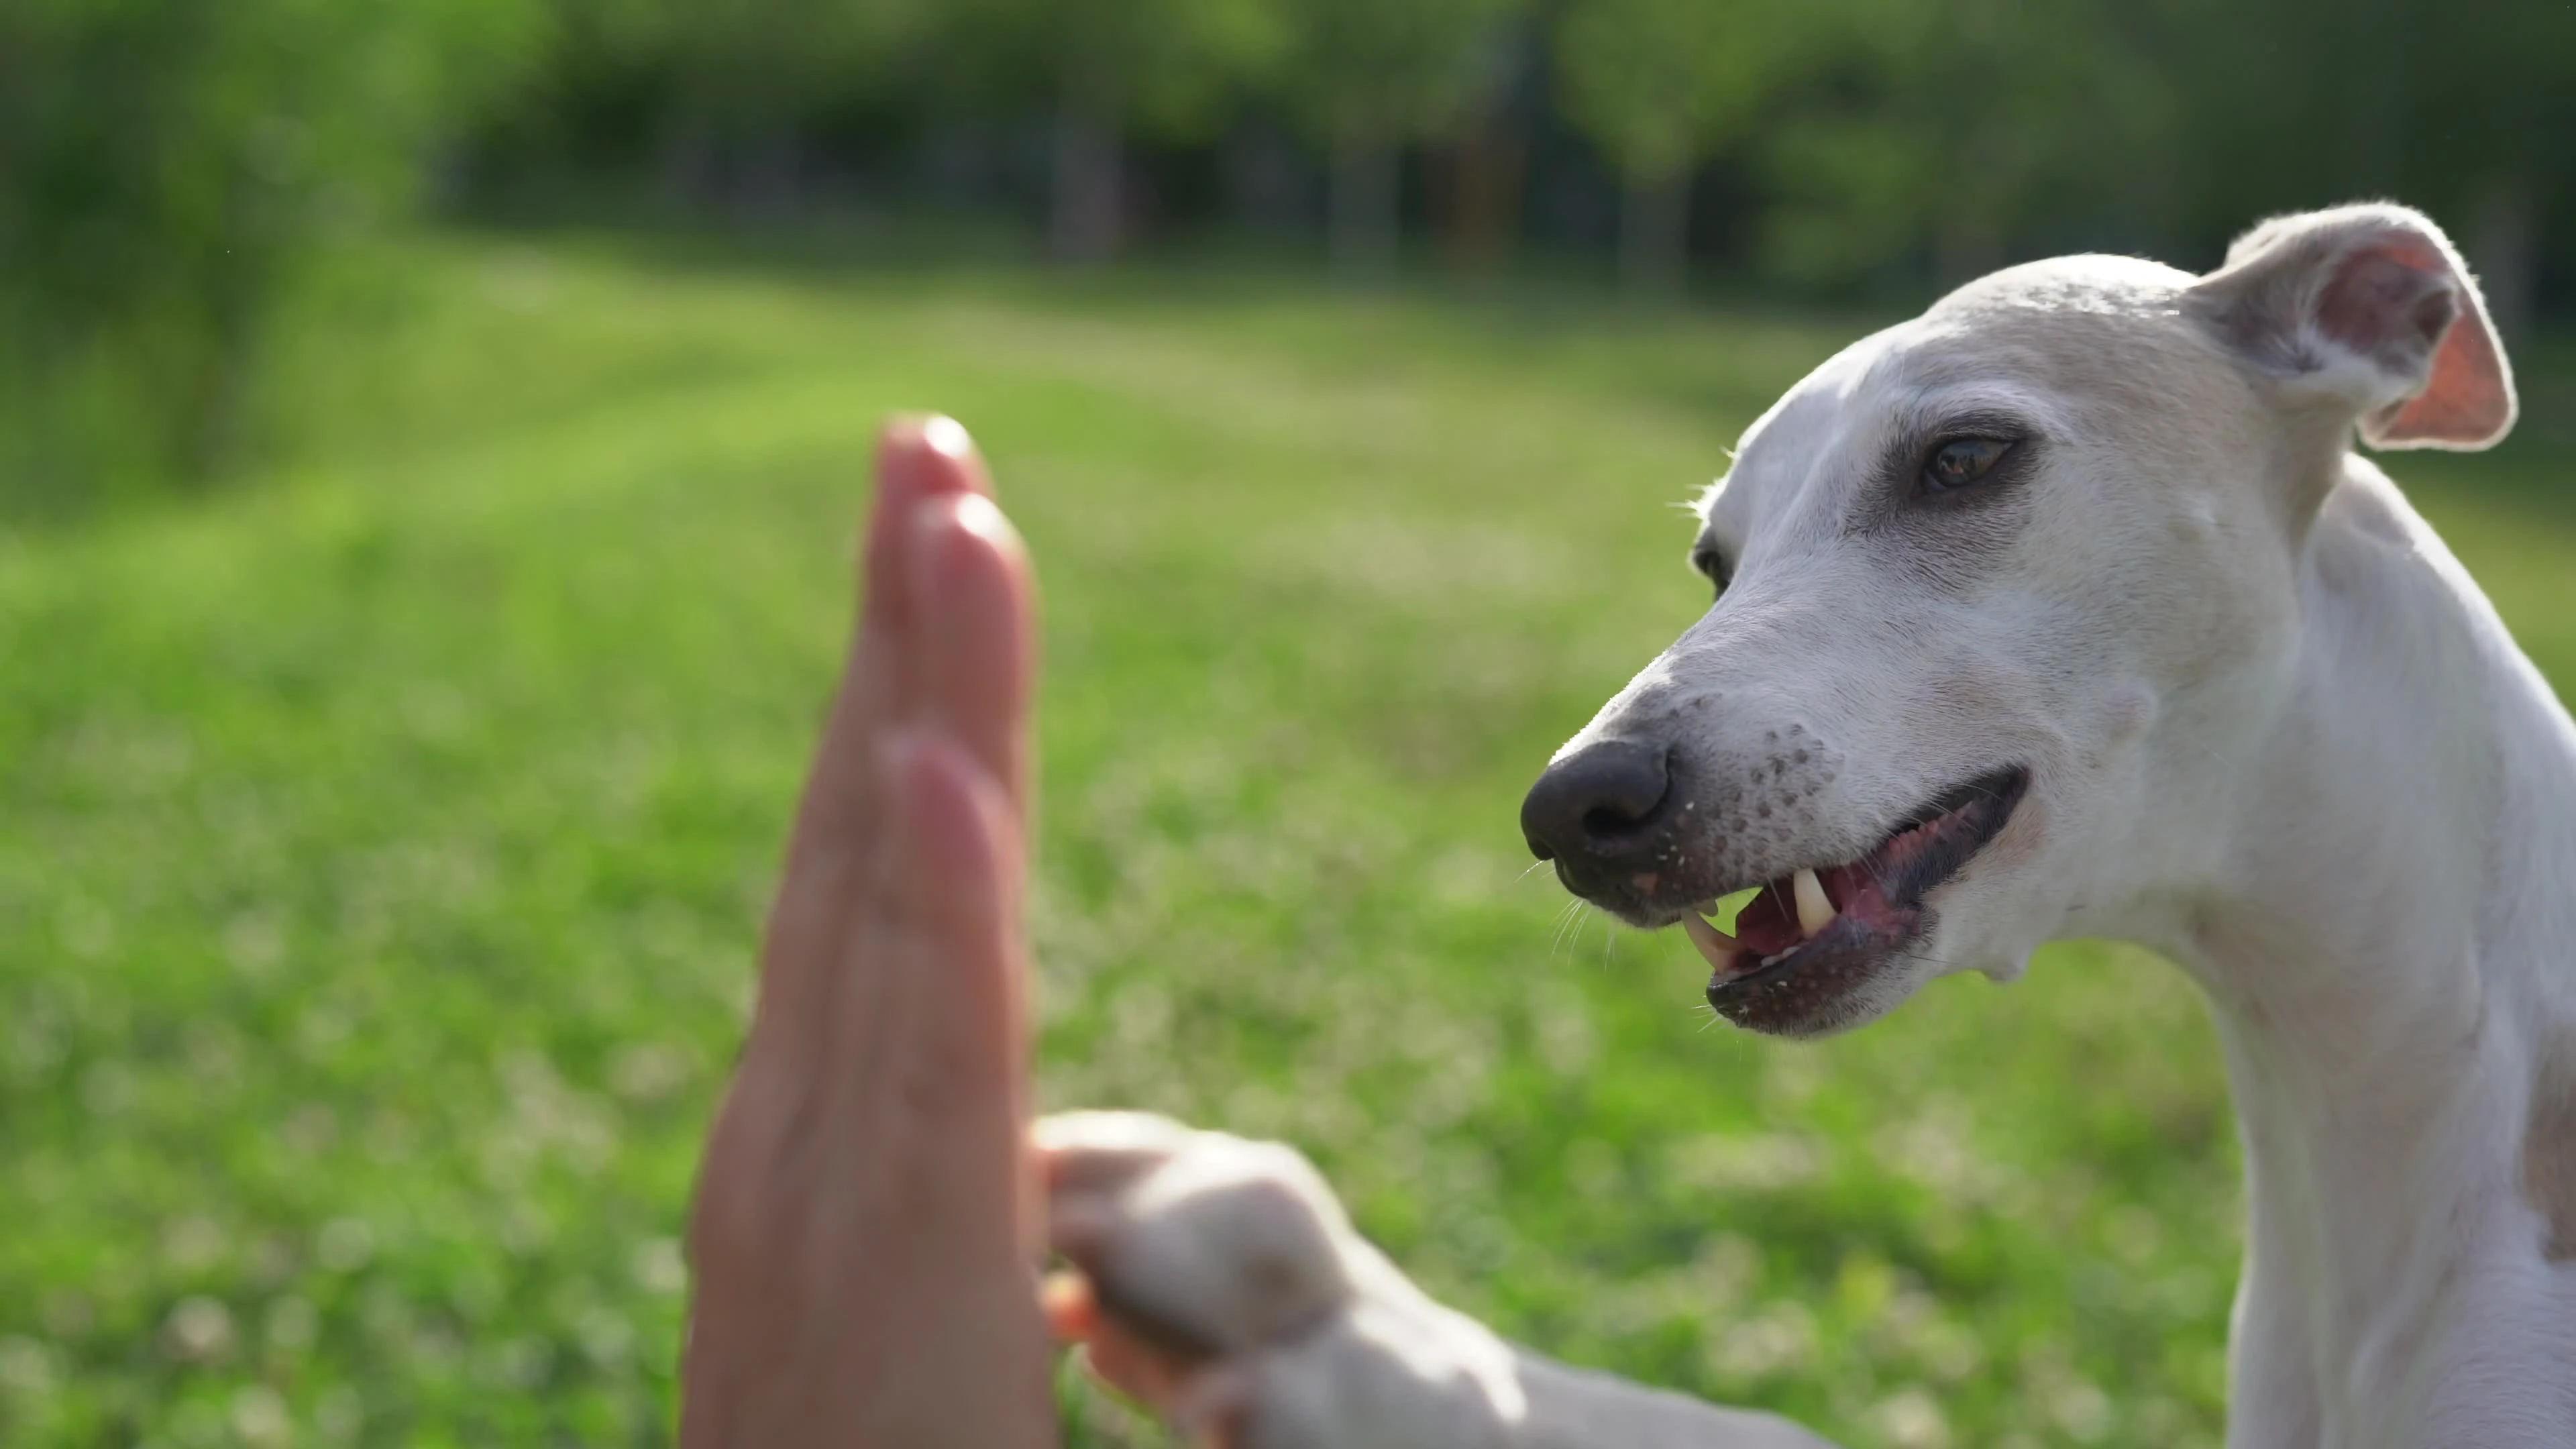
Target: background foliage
x=165 y=165
x=168 y=167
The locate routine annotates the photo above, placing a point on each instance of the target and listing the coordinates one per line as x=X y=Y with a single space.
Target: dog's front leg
x=1221 y=1282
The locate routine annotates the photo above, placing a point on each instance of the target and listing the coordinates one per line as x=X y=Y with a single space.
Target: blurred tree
x=1364 y=77
x=2459 y=106
x=1660 y=84
x=2497 y=110
x=1951 y=134
x=164 y=167
x=1109 y=68
x=755 y=69
x=735 y=86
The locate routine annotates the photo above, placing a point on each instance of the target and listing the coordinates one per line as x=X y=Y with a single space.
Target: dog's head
x=2005 y=597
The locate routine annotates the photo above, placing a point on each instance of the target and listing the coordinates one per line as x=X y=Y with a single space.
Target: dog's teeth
x=1814 y=911
x=1714 y=944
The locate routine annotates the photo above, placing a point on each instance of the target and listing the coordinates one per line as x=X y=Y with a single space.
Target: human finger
x=972 y=655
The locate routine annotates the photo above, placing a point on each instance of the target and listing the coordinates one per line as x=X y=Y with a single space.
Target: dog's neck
x=2391 y=949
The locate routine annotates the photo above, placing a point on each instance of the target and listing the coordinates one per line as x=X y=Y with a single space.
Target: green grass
x=383 y=844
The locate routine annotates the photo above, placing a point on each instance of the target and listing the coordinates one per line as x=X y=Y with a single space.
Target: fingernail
x=906 y=447
x=947 y=436
x=942 y=528
x=982 y=517
x=1065 y=1296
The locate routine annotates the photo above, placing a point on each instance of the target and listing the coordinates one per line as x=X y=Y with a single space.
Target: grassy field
x=381 y=843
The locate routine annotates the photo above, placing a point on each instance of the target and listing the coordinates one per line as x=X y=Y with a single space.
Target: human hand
x=866 y=1231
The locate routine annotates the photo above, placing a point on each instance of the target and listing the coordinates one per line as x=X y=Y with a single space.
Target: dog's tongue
x=1769 y=924
x=1772 y=923
x=1767 y=927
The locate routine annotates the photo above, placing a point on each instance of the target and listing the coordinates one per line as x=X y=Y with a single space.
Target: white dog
x=2063 y=610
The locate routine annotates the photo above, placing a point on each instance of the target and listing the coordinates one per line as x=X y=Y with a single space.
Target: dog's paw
x=1219 y=1282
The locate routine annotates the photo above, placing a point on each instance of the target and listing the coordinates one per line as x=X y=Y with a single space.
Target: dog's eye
x=1711 y=563
x=1958 y=462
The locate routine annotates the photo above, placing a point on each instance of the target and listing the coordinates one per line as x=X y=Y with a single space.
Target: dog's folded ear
x=2369 y=306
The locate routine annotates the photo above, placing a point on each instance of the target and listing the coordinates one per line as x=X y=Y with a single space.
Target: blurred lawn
x=383 y=846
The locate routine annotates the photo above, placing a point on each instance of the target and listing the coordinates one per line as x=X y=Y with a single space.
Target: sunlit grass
x=383 y=843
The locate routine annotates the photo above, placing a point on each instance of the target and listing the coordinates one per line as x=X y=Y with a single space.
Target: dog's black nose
x=1592 y=802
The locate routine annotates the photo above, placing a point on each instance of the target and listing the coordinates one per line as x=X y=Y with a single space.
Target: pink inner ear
x=2372 y=303
x=2385 y=301
x=2466 y=400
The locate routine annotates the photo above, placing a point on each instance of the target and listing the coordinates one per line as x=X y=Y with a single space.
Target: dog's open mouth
x=1836 y=920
